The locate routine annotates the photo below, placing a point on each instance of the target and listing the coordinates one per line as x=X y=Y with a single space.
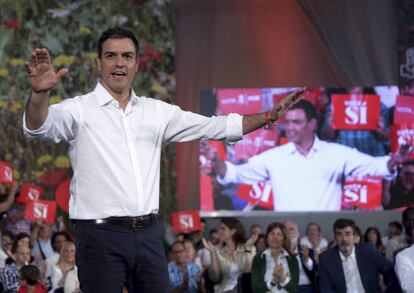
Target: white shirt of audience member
x=351 y=272
x=404 y=267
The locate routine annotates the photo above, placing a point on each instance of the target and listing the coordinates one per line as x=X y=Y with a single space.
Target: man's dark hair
x=117 y=33
x=55 y=235
x=30 y=274
x=307 y=107
x=397 y=225
x=343 y=223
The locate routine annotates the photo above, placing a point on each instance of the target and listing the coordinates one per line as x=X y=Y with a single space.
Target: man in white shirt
x=355 y=268
x=115 y=138
x=306 y=173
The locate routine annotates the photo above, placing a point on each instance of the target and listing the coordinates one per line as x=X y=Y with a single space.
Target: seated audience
x=232 y=257
x=373 y=236
x=275 y=269
x=351 y=267
x=41 y=240
x=185 y=276
x=7 y=239
x=65 y=265
x=404 y=240
x=261 y=243
x=400 y=193
x=395 y=229
x=306 y=261
x=314 y=239
x=404 y=262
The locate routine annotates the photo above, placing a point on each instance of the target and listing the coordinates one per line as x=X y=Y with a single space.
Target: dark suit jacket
x=370 y=263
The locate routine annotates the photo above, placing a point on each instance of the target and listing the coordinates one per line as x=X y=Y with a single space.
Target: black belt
x=132 y=222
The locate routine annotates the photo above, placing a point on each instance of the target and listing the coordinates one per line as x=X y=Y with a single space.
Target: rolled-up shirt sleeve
x=61 y=124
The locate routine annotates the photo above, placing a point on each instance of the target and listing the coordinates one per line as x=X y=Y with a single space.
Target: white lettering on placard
x=405 y=136
x=8 y=174
x=33 y=194
x=40 y=211
x=403 y=109
x=261 y=191
x=356 y=193
x=186 y=221
x=355 y=112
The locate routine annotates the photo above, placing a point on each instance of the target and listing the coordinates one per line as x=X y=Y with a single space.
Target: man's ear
x=314 y=124
x=99 y=63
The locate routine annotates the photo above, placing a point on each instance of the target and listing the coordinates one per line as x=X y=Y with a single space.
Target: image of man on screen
x=307 y=174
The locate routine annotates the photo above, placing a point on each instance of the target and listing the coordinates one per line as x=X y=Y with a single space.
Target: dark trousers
x=108 y=256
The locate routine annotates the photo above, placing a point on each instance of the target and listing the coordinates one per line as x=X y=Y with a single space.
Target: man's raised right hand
x=41 y=74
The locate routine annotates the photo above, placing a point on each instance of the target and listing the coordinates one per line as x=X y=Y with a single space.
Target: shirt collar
x=291 y=148
x=268 y=253
x=351 y=256
x=104 y=97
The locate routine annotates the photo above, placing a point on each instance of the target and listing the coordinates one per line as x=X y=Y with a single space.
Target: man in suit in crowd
x=355 y=268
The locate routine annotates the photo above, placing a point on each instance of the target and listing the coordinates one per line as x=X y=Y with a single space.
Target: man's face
x=408 y=222
x=59 y=241
x=178 y=253
x=298 y=128
x=293 y=230
x=407 y=177
x=22 y=255
x=214 y=238
x=118 y=65
x=7 y=242
x=345 y=240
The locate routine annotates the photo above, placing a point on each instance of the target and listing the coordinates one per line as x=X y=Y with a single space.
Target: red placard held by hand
x=259 y=193
x=404 y=110
x=40 y=210
x=401 y=135
x=355 y=112
x=362 y=192
x=186 y=221
x=6 y=173
x=29 y=192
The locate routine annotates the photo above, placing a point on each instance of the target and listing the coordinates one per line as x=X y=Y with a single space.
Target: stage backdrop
x=267 y=43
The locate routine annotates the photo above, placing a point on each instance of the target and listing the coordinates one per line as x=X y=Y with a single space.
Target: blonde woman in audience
x=276 y=269
x=64 y=273
x=232 y=257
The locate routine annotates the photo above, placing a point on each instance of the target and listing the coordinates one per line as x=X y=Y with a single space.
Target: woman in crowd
x=260 y=243
x=65 y=268
x=232 y=257
x=276 y=269
x=373 y=236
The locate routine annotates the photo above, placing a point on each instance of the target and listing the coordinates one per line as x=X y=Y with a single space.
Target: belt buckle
x=138 y=222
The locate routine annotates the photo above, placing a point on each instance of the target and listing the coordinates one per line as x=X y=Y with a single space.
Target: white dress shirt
x=404 y=267
x=115 y=154
x=351 y=272
x=270 y=265
x=306 y=183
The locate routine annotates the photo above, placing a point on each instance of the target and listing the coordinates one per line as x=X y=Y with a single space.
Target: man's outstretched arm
x=42 y=78
x=255 y=121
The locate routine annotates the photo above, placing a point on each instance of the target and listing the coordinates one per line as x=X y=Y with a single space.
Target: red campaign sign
x=401 y=135
x=355 y=112
x=62 y=195
x=40 y=210
x=255 y=143
x=6 y=173
x=363 y=192
x=242 y=101
x=404 y=110
x=258 y=193
x=186 y=221
x=29 y=192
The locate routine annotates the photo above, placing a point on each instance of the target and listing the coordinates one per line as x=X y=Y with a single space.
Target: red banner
x=259 y=193
x=6 y=173
x=29 y=192
x=362 y=192
x=186 y=221
x=40 y=210
x=401 y=135
x=404 y=110
x=355 y=112
x=242 y=101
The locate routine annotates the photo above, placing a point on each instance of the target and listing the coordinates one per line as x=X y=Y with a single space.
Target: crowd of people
x=277 y=258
